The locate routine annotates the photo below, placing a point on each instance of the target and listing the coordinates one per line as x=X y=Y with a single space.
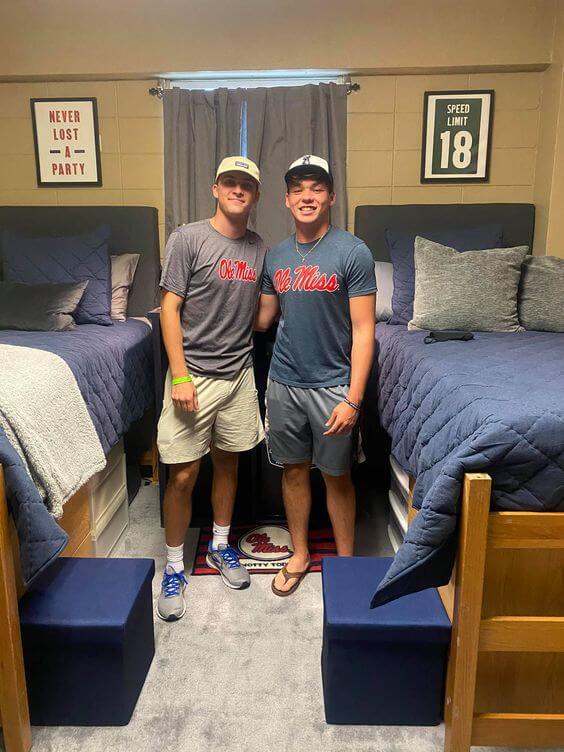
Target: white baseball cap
x=238 y=164
x=308 y=165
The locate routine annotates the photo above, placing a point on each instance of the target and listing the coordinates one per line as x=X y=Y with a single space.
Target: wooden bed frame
x=505 y=681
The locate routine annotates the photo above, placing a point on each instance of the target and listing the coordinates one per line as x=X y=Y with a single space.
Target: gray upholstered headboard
x=134 y=229
x=371 y=222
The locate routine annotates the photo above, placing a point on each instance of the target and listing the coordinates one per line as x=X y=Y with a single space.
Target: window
x=209 y=80
x=252 y=79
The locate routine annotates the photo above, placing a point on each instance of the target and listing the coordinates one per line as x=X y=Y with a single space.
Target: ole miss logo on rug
x=266 y=548
x=266 y=544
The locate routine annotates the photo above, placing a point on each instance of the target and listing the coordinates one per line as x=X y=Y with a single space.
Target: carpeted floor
x=240 y=671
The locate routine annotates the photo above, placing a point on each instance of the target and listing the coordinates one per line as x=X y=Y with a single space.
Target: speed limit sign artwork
x=456 y=136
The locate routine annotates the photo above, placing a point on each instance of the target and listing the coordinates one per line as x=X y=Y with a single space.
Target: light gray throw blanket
x=46 y=420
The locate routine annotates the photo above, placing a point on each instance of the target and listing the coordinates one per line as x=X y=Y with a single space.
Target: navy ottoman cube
x=88 y=641
x=384 y=666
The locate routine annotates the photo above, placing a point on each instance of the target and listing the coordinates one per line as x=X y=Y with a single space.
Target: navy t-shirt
x=314 y=340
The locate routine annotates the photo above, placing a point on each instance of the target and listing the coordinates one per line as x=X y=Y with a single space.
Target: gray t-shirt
x=219 y=279
x=314 y=340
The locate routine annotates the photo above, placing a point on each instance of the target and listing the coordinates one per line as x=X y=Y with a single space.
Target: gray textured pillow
x=385 y=281
x=541 y=296
x=123 y=270
x=41 y=308
x=472 y=291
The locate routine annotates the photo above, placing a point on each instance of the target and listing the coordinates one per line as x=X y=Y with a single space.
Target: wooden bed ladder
x=490 y=579
x=14 y=712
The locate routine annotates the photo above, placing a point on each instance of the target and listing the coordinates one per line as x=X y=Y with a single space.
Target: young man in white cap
x=210 y=289
x=322 y=280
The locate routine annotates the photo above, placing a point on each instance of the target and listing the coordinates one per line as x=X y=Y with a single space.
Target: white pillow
x=124 y=266
x=385 y=285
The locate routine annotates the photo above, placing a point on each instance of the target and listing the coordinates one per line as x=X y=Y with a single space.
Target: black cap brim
x=308 y=170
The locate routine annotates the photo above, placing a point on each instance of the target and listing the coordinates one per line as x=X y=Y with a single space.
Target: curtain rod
x=157 y=91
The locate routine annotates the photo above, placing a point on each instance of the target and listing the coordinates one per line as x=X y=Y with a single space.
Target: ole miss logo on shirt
x=306 y=278
x=237 y=270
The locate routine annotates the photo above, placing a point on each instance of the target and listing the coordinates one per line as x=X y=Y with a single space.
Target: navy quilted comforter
x=114 y=371
x=494 y=404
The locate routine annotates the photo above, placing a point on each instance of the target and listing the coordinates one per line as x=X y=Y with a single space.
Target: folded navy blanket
x=41 y=539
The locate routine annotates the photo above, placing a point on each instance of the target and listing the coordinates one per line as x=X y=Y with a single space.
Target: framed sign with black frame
x=67 y=142
x=457 y=129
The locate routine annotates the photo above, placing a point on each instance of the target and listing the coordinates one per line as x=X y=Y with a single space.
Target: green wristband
x=182 y=380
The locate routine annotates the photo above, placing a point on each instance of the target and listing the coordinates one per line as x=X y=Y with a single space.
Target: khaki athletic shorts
x=228 y=417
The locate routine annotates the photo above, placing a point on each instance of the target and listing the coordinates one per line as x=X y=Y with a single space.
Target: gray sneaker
x=171 y=605
x=226 y=560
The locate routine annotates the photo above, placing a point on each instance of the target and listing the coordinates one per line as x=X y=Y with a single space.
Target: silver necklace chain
x=317 y=242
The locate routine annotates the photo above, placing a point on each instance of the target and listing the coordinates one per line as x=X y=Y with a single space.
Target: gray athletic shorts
x=296 y=424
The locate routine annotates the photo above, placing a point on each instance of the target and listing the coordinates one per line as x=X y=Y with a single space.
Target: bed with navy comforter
x=494 y=404
x=112 y=366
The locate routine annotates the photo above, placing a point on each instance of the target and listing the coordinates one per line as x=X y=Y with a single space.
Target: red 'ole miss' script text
x=237 y=269
x=262 y=544
x=306 y=278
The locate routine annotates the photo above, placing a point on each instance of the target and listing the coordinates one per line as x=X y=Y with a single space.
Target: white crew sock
x=175 y=557
x=220 y=535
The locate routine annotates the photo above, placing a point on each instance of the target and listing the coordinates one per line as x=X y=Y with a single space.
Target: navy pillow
x=37 y=261
x=401 y=247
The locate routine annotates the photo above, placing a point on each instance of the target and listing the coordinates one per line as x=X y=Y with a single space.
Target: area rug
x=266 y=548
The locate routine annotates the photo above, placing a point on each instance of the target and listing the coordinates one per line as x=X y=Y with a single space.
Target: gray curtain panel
x=200 y=129
x=283 y=124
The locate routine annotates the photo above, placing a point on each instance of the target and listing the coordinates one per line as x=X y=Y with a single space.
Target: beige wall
x=131 y=145
x=549 y=182
x=109 y=39
x=384 y=140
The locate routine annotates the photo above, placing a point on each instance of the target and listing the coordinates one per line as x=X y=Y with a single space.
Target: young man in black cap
x=322 y=282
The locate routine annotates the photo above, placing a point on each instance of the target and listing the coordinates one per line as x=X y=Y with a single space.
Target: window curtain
x=283 y=123
x=200 y=129
x=276 y=126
